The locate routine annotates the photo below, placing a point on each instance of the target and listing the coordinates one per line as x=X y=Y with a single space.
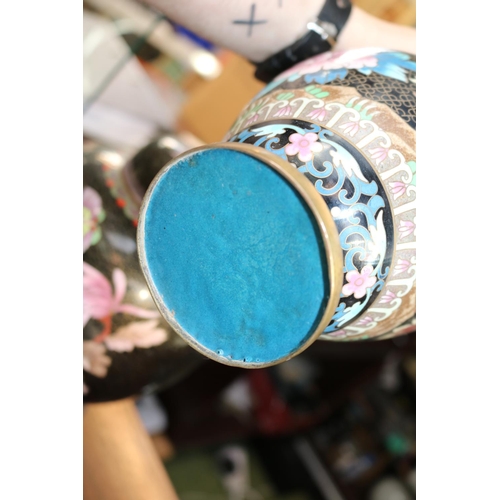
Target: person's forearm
x=364 y=30
x=257 y=29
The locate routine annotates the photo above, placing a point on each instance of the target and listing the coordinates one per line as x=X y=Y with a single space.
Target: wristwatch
x=321 y=36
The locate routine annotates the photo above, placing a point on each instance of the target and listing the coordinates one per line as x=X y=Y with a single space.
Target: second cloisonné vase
x=128 y=348
x=301 y=224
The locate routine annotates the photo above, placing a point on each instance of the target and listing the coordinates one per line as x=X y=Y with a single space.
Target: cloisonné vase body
x=347 y=121
x=305 y=218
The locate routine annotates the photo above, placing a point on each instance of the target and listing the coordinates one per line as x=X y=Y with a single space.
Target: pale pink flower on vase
x=406 y=227
x=358 y=283
x=398 y=188
x=252 y=119
x=350 y=128
x=93 y=215
x=365 y=321
x=378 y=154
x=303 y=145
x=368 y=61
x=401 y=266
x=387 y=297
x=85 y=389
x=137 y=334
x=99 y=301
x=352 y=59
x=284 y=111
x=338 y=333
x=317 y=114
x=95 y=360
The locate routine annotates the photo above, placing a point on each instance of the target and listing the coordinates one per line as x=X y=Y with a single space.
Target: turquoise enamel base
x=236 y=256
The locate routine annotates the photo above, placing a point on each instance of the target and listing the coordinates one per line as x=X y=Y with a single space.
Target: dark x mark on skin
x=252 y=21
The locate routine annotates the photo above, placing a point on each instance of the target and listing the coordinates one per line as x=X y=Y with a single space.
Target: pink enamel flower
x=284 y=111
x=401 y=266
x=352 y=59
x=93 y=215
x=365 y=321
x=346 y=61
x=406 y=227
x=358 y=283
x=317 y=114
x=398 y=188
x=350 y=128
x=303 y=145
x=137 y=334
x=338 y=333
x=99 y=301
x=252 y=119
x=378 y=155
x=387 y=297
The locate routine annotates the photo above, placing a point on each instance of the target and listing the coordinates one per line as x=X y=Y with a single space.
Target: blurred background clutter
x=338 y=421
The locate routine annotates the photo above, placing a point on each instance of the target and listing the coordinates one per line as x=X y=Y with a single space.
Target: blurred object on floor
x=286 y=397
x=389 y=488
x=202 y=474
x=373 y=434
x=410 y=367
x=292 y=464
x=152 y=413
x=349 y=407
x=236 y=399
x=411 y=481
x=201 y=413
x=234 y=471
x=155 y=419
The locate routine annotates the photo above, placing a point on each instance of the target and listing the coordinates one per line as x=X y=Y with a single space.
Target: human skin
x=277 y=24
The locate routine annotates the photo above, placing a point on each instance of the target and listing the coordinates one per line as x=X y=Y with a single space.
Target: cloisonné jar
x=301 y=224
x=128 y=348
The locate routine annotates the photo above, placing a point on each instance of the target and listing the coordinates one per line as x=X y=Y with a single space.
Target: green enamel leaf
x=255 y=108
x=365 y=116
x=351 y=102
x=413 y=165
x=358 y=106
x=285 y=96
x=316 y=91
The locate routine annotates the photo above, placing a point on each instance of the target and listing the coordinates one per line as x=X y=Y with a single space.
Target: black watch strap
x=321 y=36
